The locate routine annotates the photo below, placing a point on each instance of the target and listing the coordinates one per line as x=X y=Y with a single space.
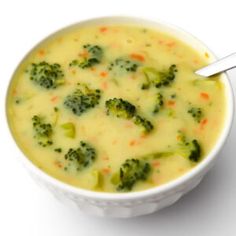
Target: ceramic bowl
x=151 y=200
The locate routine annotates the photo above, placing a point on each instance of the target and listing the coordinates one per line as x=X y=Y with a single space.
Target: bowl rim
x=179 y=33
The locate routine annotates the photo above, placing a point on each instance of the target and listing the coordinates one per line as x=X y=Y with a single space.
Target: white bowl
x=151 y=200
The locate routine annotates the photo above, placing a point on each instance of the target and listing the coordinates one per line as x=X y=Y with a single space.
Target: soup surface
x=115 y=108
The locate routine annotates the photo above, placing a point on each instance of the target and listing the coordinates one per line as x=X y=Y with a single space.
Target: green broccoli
x=82 y=99
x=159 y=78
x=145 y=124
x=123 y=65
x=81 y=157
x=132 y=171
x=92 y=55
x=48 y=76
x=190 y=149
x=158 y=103
x=120 y=108
x=43 y=131
x=196 y=113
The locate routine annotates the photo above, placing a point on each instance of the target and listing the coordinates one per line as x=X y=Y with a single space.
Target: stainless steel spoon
x=221 y=65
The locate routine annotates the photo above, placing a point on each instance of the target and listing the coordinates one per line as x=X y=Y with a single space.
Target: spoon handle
x=221 y=65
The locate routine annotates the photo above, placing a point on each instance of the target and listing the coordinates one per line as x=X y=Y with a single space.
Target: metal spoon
x=221 y=65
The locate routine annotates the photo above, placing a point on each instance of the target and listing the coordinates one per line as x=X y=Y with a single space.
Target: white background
x=27 y=210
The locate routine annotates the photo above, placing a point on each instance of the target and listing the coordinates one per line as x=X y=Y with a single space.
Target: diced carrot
x=155 y=163
x=137 y=57
x=84 y=54
x=170 y=44
x=114 y=142
x=106 y=170
x=54 y=98
x=58 y=164
x=14 y=92
x=203 y=123
x=132 y=142
x=105 y=158
x=196 y=61
x=41 y=52
x=171 y=103
x=103 y=29
x=104 y=85
x=103 y=74
x=204 y=96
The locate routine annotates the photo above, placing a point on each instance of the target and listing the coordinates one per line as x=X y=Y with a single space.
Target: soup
x=115 y=108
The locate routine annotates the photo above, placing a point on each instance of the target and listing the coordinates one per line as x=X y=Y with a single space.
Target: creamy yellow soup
x=115 y=108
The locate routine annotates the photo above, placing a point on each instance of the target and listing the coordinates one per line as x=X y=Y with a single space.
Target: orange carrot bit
x=14 y=92
x=170 y=44
x=103 y=29
x=207 y=55
x=41 y=52
x=156 y=164
x=137 y=57
x=160 y=41
x=204 y=96
x=203 y=123
x=58 y=164
x=105 y=158
x=196 y=61
x=104 y=85
x=103 y=74
x=106 y=170
x=170 y=103
x=132 y=142
x=54 y=99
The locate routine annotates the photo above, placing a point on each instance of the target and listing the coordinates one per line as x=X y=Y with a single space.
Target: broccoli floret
x=190 y=149
x=145 y=124
x=196 y=113
x=82 y=99
x=123 y=65
x=159 y=78
x=120 y=108
x=48 y=76
x=43 y=131
x=132 y=171
x=91 y=56
x=81 y=157
x=158 y=103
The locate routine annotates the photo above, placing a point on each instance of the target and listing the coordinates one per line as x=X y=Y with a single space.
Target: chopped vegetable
x=120 y=108
x=159 y=78
x=48 y=76
x=189 y=149
x=120 y=65
x=131 y=171
x=69 y=129
x=158 y=103
x=196 y=113
x=145 y=124
x=42 y=131
x=92 y=55
x=81 y=157
x=82 y=99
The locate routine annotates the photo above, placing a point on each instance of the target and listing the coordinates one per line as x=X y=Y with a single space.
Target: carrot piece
x=204 y=96
x=170 y=44
x=106 y=170
x=203 y=123
x=155 y=163
x=132 y=142
x=41 y=52
x=104 y=85
x=103 y=74
x=103 y=29
x=170 y=103
x=54 y=98
x=137 y=57
x=58 y=164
